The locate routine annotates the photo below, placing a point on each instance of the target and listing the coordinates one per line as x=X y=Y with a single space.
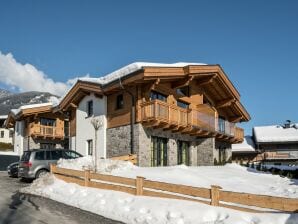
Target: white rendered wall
x=6 y=138
x=19 y=137
x=85 y=130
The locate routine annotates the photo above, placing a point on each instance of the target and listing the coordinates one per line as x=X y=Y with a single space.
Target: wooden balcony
x=42 y=131
x=197 y=122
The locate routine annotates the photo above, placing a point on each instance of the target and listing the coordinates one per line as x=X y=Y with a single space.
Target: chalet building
x=36 y=126
x=6 y=134
x=167 y=114
x=278 y=144
x=245 y=152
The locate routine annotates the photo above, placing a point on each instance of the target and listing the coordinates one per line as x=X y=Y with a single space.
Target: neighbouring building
x=278 y=144
x=167 y=114
x=36 y=126
x=244 y=152
x=6 y=134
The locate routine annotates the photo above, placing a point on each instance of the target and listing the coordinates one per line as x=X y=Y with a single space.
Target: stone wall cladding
x=205 y=148
x=118 y=141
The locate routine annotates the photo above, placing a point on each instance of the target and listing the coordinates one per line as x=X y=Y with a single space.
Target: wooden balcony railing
x=46 y=131
x=165 y=113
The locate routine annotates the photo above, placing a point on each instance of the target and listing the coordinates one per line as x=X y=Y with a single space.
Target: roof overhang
x=78 y=92
x=211 y=78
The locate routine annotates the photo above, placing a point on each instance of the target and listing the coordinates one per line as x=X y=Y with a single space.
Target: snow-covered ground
x=140 y=209
x=231 y=177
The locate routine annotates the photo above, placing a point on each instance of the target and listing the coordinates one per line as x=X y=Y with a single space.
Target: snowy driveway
x=16 y=208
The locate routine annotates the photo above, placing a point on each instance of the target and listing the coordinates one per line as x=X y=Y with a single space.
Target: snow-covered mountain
x=4 y=93
x=10 y=101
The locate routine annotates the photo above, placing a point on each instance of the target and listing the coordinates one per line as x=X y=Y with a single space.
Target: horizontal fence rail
x=141 y=186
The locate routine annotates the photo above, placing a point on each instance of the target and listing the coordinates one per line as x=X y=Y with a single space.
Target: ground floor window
x=159 y=151
x=47 y=145
x=222 y=157
x=90 y=147
x=183 y=153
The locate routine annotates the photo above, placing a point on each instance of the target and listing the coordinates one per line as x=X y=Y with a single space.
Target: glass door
x=159 y=151
x=183 y=153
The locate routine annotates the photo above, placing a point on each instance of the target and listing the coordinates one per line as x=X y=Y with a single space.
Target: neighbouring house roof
x=30 y=109
x=247 y=146
x=276 y=133
x=3 y=117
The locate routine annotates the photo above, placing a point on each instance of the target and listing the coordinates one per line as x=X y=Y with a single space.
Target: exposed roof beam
x=184 y=82
x=206 y=81
x=225 y=103
x=235 y=119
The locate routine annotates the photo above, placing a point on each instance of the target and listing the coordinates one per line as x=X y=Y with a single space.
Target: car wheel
x=41 y=173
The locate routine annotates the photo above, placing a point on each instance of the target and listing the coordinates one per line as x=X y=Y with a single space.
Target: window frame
x=90 y=108
x=90 y=143
x=119 y=102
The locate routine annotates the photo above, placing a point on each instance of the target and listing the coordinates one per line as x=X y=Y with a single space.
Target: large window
x=47 y=121
x=183 y=153
x=182 y=104
x=90 y=147
x=184 y=91
x=221 y=124
x=90 y=108
x=157 y=96
x=159 y=151
x=119 y=102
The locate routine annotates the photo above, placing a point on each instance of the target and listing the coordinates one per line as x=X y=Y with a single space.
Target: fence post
x=215 y=195
x=139 y=185
x=87 y=177
x=52 y=167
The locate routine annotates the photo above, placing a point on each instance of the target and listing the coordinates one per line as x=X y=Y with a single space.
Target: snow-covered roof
x=276 y=133
x=247 y=145
x=131 y=68
x=16 y=111
x=3 y=117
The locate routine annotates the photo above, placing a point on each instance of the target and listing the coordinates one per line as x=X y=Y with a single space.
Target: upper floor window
x=182 y=104
x=10 y=133
x=2 y=134
x=221 y=124
x=47 y=121
x=183 y=91
x=157 y=96
x=119 y=102
x=90 y=108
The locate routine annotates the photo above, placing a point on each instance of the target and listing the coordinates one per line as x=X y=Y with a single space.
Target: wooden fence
x=140 y=186
x=131 y=158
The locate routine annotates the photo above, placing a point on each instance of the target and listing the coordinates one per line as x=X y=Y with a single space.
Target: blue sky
x=256 y=42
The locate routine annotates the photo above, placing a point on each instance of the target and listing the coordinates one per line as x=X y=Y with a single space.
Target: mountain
x=10 y=101
x=4 y=93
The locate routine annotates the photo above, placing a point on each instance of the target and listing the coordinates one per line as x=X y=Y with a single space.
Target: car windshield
x=71 y=155
x=26 y=156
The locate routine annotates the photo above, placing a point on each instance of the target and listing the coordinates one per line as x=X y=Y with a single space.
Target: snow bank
x=231 y=177
x=140 y=209
x=103 y=165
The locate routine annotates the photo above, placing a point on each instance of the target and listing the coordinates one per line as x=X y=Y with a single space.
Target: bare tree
x=96 y=123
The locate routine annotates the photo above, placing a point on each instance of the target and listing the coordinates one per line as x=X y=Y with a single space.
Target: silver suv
x=35 y=163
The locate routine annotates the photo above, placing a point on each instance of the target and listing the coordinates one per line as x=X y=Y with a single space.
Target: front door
x=159 y=151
